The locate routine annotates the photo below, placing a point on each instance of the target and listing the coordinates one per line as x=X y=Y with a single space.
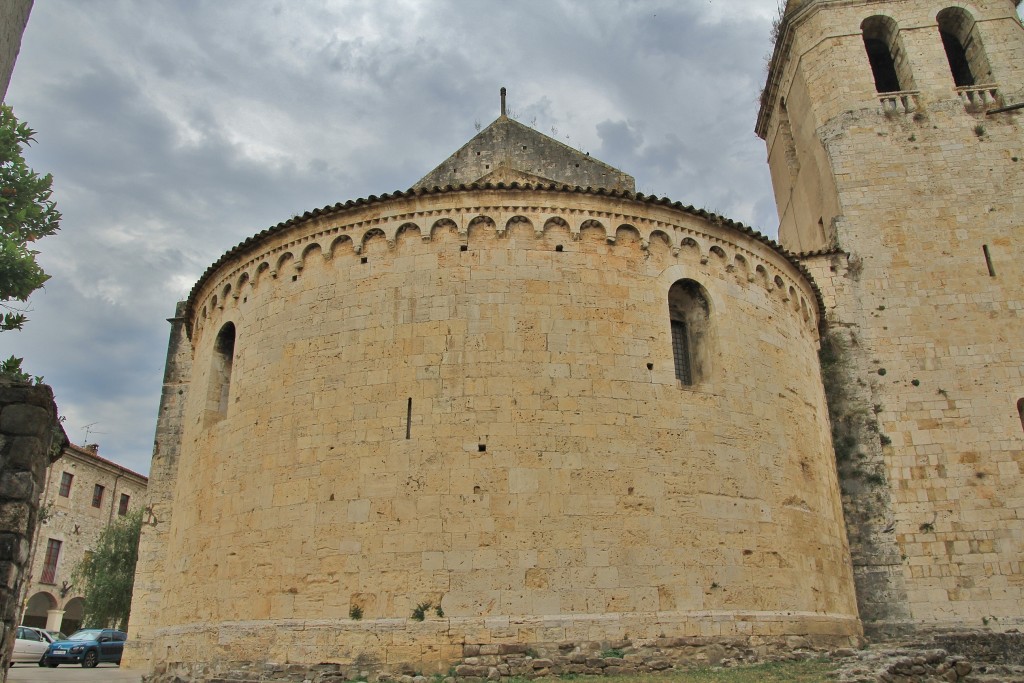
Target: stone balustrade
x=900 y=102
x=977 y=97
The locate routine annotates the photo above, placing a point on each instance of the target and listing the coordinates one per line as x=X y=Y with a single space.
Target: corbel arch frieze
x=741 y=265
x=557 y=224
x=281 y=261
x=405 y=227
x=716 y=255
x=339 y=243
x=658 y=236
x=589 y=222
x=690 y=246
x=307 y=252
x=375 y=231
x=447 y=222
x=546 y=218
x=519 y=220
x=688 y=238
x=260 y=270
x=242 y=280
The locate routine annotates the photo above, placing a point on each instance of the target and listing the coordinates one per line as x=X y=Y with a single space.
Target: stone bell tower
x=895 y=141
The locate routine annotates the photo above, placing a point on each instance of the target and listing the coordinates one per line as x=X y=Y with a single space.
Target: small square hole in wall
x=558 y=247
x=244 y=299
x=363 y=260
x=294 y=278
x=481 y=447
x=463 y=247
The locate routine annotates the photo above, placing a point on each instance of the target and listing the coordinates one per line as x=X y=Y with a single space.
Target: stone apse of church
x=468 y=399
x=559 y=415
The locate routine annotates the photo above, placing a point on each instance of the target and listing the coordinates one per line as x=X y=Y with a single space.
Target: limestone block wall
x=821 y=73
x=467 y=399
x=927 y=299
x=938 y=345
x=148 y=587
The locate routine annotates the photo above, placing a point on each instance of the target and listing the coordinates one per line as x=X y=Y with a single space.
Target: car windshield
x=88 y=634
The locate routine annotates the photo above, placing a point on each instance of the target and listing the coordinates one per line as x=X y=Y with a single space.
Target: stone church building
x=522 y=409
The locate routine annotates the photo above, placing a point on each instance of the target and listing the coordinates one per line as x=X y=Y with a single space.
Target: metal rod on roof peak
x=503 y=101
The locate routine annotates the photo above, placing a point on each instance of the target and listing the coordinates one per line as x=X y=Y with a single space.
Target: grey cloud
x=290 y=107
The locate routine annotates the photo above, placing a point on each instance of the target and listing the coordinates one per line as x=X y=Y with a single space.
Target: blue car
x=87 y=647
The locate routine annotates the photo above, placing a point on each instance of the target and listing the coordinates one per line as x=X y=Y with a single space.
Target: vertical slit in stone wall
x=988 y=261
x=408 y=419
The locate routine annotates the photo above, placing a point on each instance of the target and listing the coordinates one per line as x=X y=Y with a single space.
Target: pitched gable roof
x=507 y=150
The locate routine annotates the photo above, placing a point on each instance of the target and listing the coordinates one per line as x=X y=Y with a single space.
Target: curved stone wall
x=468 y=399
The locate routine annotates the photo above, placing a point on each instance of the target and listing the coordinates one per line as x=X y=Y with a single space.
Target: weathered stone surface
x=28 y=430
x=20 y=419
x=470 y=670
x=19 y=485
x=923 y=311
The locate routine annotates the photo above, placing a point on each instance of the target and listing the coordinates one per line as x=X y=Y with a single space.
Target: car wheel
x=42 y=661
x=52 y=665
x=90 y=659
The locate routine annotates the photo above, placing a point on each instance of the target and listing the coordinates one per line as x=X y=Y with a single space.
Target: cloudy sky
x=175 y=130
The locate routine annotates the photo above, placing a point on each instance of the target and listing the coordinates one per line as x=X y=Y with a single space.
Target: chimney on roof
x=503 y=101
x=92 y=448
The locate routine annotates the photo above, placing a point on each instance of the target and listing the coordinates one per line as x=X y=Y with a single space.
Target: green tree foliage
x=26 y=215
x=105 y=577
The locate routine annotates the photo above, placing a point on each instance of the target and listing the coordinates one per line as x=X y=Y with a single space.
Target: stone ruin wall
x=30 y=439
x=467 y=399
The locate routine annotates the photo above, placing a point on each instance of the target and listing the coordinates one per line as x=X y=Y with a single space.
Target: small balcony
x=899 y=102
x=979 y=97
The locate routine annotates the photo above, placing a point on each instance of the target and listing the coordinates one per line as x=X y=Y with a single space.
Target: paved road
x=104 y=673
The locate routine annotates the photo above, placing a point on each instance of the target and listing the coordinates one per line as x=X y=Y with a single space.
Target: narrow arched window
x=689 y=316
x=888 y=60
x=1020 y=411
x=220 y=373
x=966 y=56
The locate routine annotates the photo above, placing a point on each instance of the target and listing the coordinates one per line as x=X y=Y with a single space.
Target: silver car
x=29 y=645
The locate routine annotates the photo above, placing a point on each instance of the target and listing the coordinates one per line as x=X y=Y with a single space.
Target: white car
x=29 y=646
